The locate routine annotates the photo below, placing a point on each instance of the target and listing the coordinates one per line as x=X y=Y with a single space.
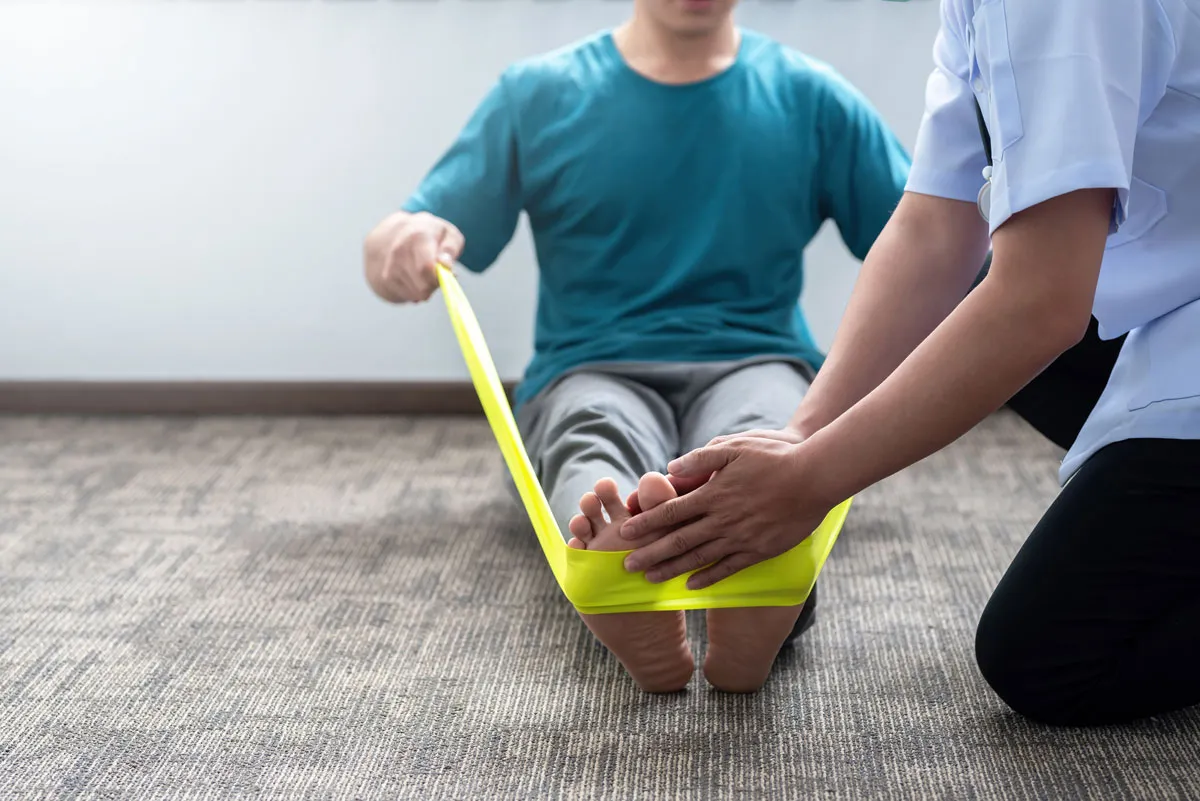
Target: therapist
x=1090 y=120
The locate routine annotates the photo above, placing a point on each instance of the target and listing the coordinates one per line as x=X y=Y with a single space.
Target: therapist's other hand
x=685 y=484
x=759 y=502
x=788 y=435
x=682 y=484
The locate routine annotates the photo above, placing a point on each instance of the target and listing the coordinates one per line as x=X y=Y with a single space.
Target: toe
x=606 y=490
x=581 y=529
x=654 y=489
x=592 y=509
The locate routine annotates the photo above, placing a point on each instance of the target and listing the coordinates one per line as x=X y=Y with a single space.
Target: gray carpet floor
x=354 y=609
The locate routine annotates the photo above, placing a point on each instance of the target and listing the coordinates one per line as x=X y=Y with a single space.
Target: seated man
x=673 y=172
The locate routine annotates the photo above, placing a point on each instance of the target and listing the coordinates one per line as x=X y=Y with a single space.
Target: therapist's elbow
x=1047 y=310
x=1068 y=332
x=1051 y=322
x=1063 y=318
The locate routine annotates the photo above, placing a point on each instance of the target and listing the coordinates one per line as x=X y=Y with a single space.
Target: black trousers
x=1097 y=620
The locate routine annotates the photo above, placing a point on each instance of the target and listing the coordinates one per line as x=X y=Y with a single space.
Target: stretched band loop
x=596 y=582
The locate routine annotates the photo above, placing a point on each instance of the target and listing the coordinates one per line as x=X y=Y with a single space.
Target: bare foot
x=652 y=646
x=743 y=644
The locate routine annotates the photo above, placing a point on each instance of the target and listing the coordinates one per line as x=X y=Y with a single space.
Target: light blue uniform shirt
x=670 y=221
x=1084 y=94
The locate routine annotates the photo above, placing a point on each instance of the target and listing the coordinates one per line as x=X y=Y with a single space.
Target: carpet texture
x=354 y=609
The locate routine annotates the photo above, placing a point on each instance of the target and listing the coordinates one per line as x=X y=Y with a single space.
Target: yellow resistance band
x=596 y=582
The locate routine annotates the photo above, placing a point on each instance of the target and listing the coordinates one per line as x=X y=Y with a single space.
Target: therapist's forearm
x=917 y=272
x=979 y=358
x=1034 y=305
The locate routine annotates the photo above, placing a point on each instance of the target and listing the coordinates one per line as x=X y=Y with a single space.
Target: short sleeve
x=476 y=184
x=1066 y=87
x=863 y=166
x=948 y=159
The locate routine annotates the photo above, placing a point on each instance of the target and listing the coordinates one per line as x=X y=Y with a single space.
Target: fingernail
x=676 y=467
x=654 y=577
x=631 y=564
x=445 y=259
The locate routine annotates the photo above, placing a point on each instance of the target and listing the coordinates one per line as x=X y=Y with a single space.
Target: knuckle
x=411 y=227
x=401 y=247
x=413 y=234
x=679 y=545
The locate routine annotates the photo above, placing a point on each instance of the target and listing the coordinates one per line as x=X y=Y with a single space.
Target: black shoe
x=808 y=616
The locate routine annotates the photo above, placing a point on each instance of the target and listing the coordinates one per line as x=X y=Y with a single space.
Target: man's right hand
x=401 y=255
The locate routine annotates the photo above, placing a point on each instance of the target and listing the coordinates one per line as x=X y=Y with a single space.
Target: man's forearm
x=916 y=274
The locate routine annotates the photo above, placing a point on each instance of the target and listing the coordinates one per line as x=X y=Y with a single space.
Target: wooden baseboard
x=238 y=397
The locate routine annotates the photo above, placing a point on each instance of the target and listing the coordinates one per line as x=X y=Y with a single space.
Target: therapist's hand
x=685 y=484
x=760 y=501
x=788 y=435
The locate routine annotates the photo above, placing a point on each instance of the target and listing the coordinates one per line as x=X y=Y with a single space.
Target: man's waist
x=715 y=341
x=552 y=359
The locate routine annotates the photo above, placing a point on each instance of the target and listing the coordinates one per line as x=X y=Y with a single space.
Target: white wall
x=184 y=185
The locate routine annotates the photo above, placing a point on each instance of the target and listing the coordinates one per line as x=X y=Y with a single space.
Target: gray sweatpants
x=622 y=421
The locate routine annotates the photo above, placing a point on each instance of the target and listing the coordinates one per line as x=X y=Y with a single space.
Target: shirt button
x=978 y=84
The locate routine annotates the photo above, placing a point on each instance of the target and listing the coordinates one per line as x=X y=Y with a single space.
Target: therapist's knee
x=1010 y=652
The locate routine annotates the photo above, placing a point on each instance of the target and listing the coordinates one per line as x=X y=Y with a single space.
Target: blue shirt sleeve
x=476 y=184
x=863 y=166
x=948 y=159
x=1065 y=87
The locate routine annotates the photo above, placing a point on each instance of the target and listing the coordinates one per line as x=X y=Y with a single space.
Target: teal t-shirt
x=670 y=221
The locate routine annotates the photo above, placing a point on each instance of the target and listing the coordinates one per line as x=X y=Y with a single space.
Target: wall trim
x=239 y=397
